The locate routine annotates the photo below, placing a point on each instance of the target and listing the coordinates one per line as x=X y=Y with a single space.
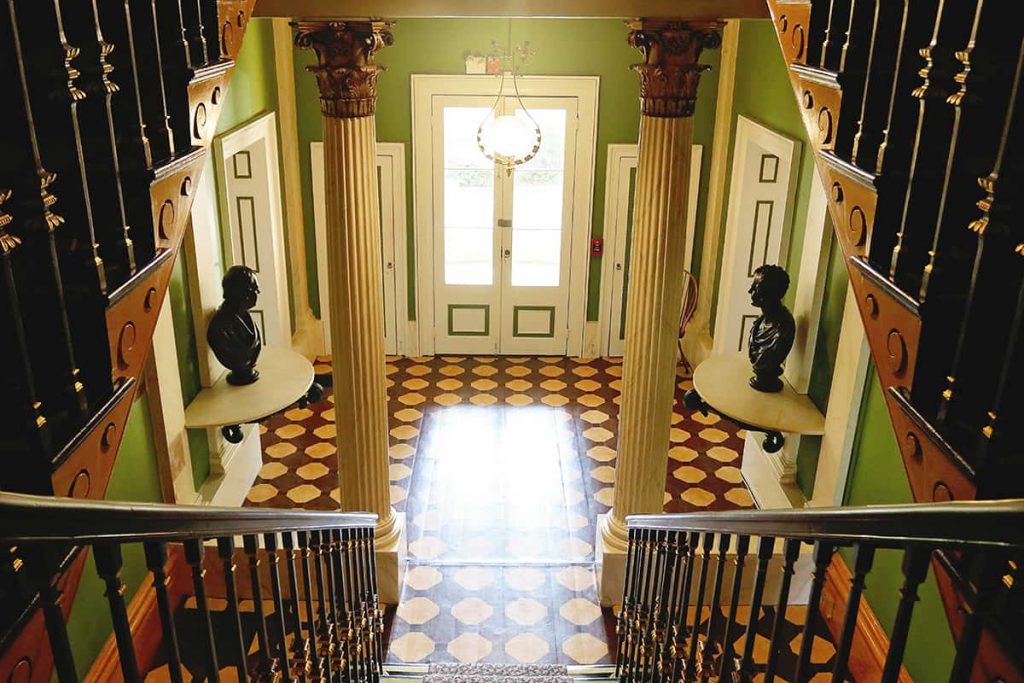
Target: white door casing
x=758 y=218
x=618 y=213
x=391 y=176
x=439 y=313
x=250 y=206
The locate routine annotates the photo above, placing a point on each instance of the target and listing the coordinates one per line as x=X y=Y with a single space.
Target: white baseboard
x=761 y=473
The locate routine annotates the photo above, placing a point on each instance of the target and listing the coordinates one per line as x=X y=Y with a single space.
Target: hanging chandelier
x=509 y=139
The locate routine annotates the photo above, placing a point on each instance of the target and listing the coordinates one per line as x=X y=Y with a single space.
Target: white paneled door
x=502 y=238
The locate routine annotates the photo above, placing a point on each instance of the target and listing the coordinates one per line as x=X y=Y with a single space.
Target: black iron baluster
x=52 y=220
x=328 y=545
x=226 y=552
x=307 y=586
x=368 y=601
x=822 y=556
x=355 y=628
x=165 y=111
x=870 y=76
x=108 y=566
x=194 y=558
x=706 y=546
x=42 y=565
x=139 y=119
x=640 y=618
x=265 y=667
x=281 y=630
x=765 y=547
x=156 y=562
x=728 y=650
x=650 y=634
x=915 y=569
x=625 y=616
x=681 y=643
x=378 y=613
x=347 y=632
x=710 y=649
x=666 y=614
x=864 y=556
x=326 y=628
x=201 y=33
x=987 y=580
x=791 y=553
x=302 y=645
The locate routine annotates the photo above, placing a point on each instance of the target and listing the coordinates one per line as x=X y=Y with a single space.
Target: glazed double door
x=502 y=238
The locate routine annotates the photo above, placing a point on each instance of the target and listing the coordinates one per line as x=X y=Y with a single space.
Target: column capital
x=345 y=71
x=670 y=72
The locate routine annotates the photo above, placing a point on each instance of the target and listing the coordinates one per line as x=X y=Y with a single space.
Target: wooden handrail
x=954 y=525
x=38 y=519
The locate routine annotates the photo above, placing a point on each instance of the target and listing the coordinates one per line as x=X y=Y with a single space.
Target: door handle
x=389 y=265
x=507 y=253
x=618 y=266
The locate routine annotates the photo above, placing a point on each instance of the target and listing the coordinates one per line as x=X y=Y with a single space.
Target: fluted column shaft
x=346 y=75
x=669 y=75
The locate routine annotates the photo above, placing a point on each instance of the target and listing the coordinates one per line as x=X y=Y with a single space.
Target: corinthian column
x=347 y=78
x=669 y=74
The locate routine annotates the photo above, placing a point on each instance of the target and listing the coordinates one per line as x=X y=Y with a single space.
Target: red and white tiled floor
x=501 y=466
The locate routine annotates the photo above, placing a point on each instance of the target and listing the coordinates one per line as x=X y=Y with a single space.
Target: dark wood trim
x=870 y=641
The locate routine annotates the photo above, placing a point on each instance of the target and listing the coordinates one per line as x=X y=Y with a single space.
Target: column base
x=610 y=557
x=392 y=552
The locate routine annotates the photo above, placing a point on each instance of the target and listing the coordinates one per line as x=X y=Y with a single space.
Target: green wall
x=877 y=477
x=252 y=91
x=563 y=47
x=135 y=478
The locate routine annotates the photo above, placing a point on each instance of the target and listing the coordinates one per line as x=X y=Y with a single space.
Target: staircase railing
x=688 y=585
x=318 y=568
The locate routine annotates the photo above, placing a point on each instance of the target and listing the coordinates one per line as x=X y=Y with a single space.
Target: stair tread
x=437 y=671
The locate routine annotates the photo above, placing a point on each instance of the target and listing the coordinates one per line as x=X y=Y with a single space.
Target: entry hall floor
x=501 y=466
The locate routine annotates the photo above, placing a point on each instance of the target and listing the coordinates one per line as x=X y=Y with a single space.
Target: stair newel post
x=680 y=644
x=325 y=629
x=706 y=541
x=822 y=556
x=915 y=569
x=280 y=629
x=194 y=558
x=313 y=643
x=226 y=552
x=742 y=546
x=156 y=562
x=302 y=646
x=266 y=667
x=790 y=554
x=108 y=565
x=624 y=617
x=713 y=648
x=765 y=548
x=864 y=557
x=377 y=620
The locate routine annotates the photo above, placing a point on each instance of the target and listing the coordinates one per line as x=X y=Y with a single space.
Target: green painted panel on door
x=486 y=332
x=550 y=310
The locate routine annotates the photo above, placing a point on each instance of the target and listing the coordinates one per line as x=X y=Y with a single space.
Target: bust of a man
x=233 y=335
x=772 y=334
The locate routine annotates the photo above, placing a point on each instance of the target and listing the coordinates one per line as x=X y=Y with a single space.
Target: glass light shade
x=508 y=137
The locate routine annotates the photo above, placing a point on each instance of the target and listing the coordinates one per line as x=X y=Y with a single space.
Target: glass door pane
x=538 y=192
x=468 y=200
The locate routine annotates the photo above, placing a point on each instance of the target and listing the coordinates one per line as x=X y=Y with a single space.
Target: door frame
x=424 y=88
x=622 y=158
x=261 y=130
x=393 y=156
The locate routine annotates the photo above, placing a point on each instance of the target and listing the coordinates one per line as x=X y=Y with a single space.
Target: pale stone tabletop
x=722 y=381
x=285 y=376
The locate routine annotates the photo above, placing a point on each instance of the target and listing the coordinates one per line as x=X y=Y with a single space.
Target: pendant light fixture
x=509 y=139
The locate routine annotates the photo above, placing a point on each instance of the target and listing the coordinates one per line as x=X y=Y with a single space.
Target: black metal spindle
x=42 y=564
x=706 y=545
x=307 y=586
x=639 y=622
x=682 y=641
x=625 y=610
x=200 y=34
x=666 y=613
x=765 y=548
x=108 y=566
x=156 y=562
x=346 y=627
x=194 y=558
x=226 y=552
x=864 y=556
x=265 y=668
x=326 y=628
x=329 y=545
x=280 y=629
x=790 y=555
x=979 y=608
x=822 y=556
x=713 y=648
x=302 y=644
x=728 y=651
x=378 y=611
x=915 y=569
x=650 y=634
x=354 y=621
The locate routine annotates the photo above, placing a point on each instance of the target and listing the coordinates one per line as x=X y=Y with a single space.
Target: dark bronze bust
x=772 y=334
x=233 y=335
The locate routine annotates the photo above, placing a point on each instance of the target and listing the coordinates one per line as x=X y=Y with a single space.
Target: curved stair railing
x=311 y=577
x=915 y=111
x=691 y=579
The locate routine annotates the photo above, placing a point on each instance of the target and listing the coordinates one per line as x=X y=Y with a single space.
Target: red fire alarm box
x=596 y=246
